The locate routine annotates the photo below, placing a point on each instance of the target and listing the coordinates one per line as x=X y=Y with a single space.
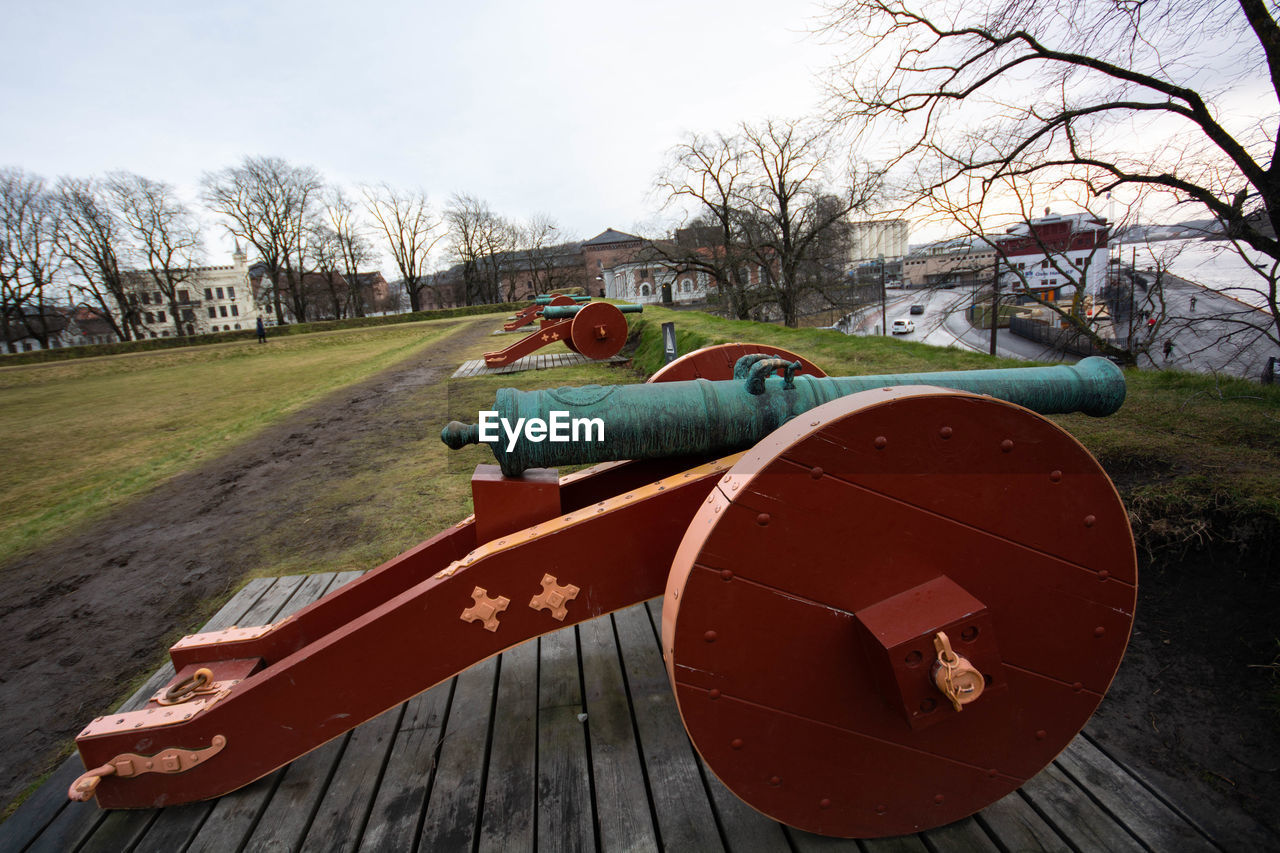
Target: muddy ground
x=1196 y=705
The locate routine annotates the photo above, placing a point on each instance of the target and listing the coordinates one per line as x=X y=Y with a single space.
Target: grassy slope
x=92 y=433
x=1196 y=458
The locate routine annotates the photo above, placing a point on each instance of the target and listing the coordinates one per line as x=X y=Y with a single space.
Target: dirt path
x=87 y=615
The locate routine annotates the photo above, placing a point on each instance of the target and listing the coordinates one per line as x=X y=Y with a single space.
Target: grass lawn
x=85 y=435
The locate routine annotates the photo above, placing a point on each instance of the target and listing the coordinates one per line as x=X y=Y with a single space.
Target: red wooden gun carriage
x=889 y=601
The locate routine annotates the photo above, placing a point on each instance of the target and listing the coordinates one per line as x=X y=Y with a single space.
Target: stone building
x=212 y=299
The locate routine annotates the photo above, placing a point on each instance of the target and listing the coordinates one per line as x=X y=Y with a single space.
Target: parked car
x=917 y=309
x=903 y=327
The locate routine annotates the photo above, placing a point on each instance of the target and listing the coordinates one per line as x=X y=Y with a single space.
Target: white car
x=903 y=327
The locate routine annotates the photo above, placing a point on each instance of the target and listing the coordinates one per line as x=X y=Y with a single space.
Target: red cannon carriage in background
x=889 y=601
x=533 y=311
x=596 y=330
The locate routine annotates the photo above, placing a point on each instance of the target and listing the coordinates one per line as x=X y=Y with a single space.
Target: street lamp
x=884 y=323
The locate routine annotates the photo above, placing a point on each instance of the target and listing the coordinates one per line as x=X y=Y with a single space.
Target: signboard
x=669 y=341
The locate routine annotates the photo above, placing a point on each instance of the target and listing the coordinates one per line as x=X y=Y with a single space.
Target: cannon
x=568 y=312
x=880 y=616
x=533 y=311
x=596 y=330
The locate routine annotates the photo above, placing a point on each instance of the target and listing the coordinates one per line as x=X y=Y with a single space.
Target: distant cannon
x=533 y=311
x=596 y=330
x=881 y=616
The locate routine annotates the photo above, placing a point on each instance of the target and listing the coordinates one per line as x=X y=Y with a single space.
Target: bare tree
x=552 y=263
x=165 y=238
x=478 y=238
x=268 y=203
x=324 y=255
x=411 y=230
x=29 y=256
x=92 y=240
x=708 y=172
x=768 y=193
x=994 y=93
x=352 y=244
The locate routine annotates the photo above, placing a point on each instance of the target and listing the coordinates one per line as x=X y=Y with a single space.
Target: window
x=644 y=290
x=237 y=327
x=146 y=298
x=133 y=299
x=222 y=310
x=208 y=294
x=235 y=310
x=213 y=312
x=231 y=293
x=686 y=285
x=164 y=334
x=219 y=292
x=188 y=315
x=150 y=318
x=182 y=296
x=155 y=297
x=159 y=316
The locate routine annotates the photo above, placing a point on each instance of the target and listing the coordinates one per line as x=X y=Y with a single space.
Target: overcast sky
x=560 y=107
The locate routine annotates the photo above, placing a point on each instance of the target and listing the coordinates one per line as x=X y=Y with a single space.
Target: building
x=871 y=239
x=212 y=299
x=61 y=327
x=964 y=261
x=1054 y=255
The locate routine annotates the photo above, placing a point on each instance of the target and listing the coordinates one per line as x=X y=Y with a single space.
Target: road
x=1208 y=335
x=944 y=324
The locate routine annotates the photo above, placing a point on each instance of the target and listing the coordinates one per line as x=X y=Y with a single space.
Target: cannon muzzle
x=594 y=423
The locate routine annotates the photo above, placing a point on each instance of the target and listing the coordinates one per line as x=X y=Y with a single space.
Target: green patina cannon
x=565 y=312
x=703 y=417
x=546 y=298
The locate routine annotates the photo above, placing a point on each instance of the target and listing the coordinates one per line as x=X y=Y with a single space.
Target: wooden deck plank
x=396 y=815
x=1020 y=827
x=1158 y=826
x=1081 y=821
x=285 y=811
x=963 y=836
x=565 y=811
x=620 y=790
x=510 y=796
x=681 y=802
x=453 y=808
x=340 y=820
x=744 y=828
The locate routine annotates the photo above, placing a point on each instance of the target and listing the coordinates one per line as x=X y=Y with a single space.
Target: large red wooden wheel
x=803 y=611
x=599 y=330
x=716 y=362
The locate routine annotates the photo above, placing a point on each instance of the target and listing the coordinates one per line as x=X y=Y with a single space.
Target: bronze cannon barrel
x=564 y=312
x=594 y=423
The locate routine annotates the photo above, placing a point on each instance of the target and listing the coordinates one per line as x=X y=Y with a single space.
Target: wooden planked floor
x=570 y=742
x=546 y=361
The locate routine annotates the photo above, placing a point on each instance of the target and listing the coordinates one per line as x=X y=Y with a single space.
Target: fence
x=1065 y=340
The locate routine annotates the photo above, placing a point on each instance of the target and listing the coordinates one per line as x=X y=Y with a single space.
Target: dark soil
x=1195 y=707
